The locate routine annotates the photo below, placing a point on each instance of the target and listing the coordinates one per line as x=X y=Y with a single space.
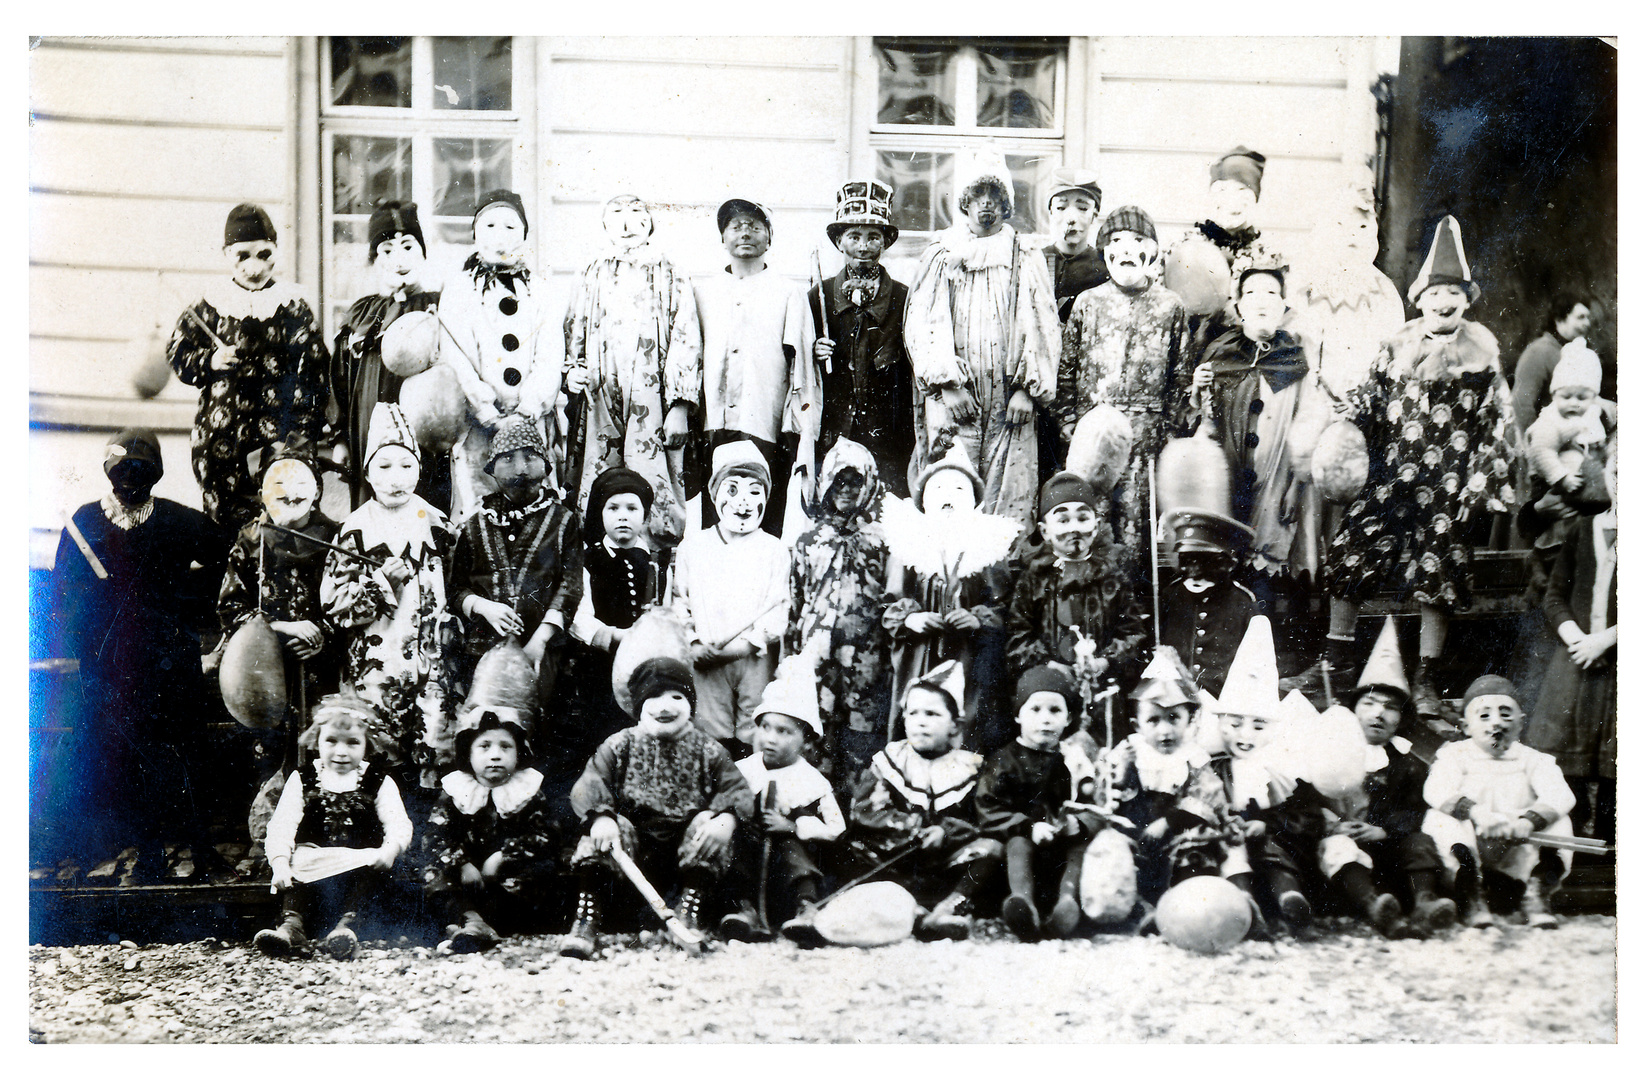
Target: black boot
x=283 y=939
x=1430 y=911
x=1471 y=884
x=1541 y=886
x=744 y=924
x=1068 y=911
x=1020 y=909
x=1354 y=883
x=688 y=908
x=342 y=943
x=474 y=935
x=1427 y=702
x=582 y=941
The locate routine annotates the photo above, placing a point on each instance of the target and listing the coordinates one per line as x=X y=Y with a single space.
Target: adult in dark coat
x=135 y=754
x=866 y=378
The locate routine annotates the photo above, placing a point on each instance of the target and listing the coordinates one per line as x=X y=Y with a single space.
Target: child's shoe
x=1385 y=913
x=951 y=920
x=1067 y=913
x=1296 y=910
x=688 y=908
x=474 y=935
x=1433 y=913
x=342 y=943
x=1020 y=916
x=582 y=941
x=283 y=939
x=744 y=925
x=800 y=928
x=1535 y=907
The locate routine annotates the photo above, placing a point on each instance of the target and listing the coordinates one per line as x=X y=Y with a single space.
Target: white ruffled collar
x=1377 y=757
x=978 y=252
x=338 y=782
x=1166 y=772
x=470 y=796
x=234 y=301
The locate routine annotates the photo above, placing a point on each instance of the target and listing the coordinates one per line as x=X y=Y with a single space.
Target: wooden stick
x=751 y=624
x=820 y=284
x=189 y=311
x=689 y=939
x=1588 y=845
x=911 y=846
x=85 y=549
x=1156 y=561
x=367 y=560
x=767 y=803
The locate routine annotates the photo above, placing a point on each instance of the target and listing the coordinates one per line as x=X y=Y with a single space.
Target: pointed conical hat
x=1445 y=264
x=1250 y=684
x=948 y=677
x=1166 y=680
x=504 y=679
x=1383 y=669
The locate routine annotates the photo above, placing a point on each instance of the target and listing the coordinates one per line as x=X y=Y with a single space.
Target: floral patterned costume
x=1441 y=445
x=633 y=323
x=397 y=645
x=276 y=390
x=839 y=592
x=470 y=822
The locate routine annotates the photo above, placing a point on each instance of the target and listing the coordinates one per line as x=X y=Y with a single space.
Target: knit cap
x=1488 y=685
x=1245 y=166
x=503 y=197
x=1052 y=679
x=1065 y=487
x=392 y=218
x=657 y=675
x=246 y=222
x=1125 y=219
x=1579 y=366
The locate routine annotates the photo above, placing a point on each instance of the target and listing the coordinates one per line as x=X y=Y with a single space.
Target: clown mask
x=400 y=259
x=628 y=222
x=740 y=502
x=1443 y=307
x=1493 y=721
x=1131 y=258
x=251 y=263
x=289 y=491
x=1069 y=530
x=1233 y=204
x=949 y=493
x=498 y=233
x=1070 y=217
x=1260 y=305
x=393 y=473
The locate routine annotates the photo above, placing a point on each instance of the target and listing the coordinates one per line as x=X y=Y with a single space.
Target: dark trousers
x=793 y=872
x=321 y=903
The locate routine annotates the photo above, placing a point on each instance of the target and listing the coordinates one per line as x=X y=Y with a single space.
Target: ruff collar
x=470 y=796
x=123 y=519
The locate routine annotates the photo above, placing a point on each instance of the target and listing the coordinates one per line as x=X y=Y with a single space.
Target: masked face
x=628 y=223
x=251 y=262
x=1203 y=567
x=778 y=739
x=494 y=757
x=1494 y=722
x=746 y=237
x=985 y=211
x=848 y=492
x=623 y=516
x=1261 y=306
x=1131 y=258
x=289 y=491
x=133 y=482
x=740 y=503
x=862 y=245
x=1070 y=217
x=393 y=473
x=1163 y=729
x=1359 y=234
x=499 y=235
x=1380 y=714
x=931 y=729
x=948 y=492
x=1233 y=203
x=1043 y=717
x=1069 y=530
x=400 y=259
x=520 y=475
x=1443 y=307
x=1242 y=735
x=665 y=714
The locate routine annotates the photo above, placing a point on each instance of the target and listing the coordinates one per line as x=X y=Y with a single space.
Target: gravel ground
x=1508 y=985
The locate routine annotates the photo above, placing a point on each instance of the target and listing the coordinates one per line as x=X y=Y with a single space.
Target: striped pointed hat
x=389 y=427
x=1445 y=264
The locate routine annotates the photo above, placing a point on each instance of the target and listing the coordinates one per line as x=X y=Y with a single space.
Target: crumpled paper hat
x=1167 y=681
x=792 y=693
x=948 y=677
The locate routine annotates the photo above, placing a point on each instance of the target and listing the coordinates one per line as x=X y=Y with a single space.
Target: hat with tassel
x=1250 y=684
x=1383 y=670
x=1445 y=264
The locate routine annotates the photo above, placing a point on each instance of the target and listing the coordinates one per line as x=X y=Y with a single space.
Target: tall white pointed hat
x=1384 y=669
x=1250 y=684
x=1445 y=264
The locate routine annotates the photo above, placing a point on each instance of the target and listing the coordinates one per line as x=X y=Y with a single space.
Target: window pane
x=463 y=169
x=370 y=71
x=1017 y=86
x=367 y=168
x=916 y=83
x=473 y=73
x=1030 y=173
x=459 y=232
x=921 y=182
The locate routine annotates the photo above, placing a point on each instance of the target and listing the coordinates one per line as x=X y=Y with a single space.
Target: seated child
x=1164 y=786
x=1487 y=794
x=1020 y=802
x=1205 y=612
x=918 y=792
x=1569 y=428
x=731 y=588
x=797 y=815
x=1280 y=820
x=664 y=791
x=838 y=583
x=1375 y=853
x=1072 y=592
x=492 y=838
x=336 y=832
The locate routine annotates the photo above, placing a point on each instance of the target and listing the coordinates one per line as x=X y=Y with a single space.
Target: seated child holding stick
x=336 y=832
x=1489 y=796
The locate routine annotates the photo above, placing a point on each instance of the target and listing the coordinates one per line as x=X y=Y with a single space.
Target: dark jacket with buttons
x=1207 y=627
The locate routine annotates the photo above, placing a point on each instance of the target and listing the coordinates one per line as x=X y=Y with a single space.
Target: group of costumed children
x=910 y=683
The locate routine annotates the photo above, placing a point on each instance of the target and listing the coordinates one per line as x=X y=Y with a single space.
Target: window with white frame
x=430 y=120
x=937 y=98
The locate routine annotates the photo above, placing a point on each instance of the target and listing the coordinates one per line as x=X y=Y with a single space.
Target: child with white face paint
x=731 y=588
x=395 y=619
x=1490 y=792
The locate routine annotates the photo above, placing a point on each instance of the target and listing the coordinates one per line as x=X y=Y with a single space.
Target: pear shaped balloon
x=1100 y=447
x=253 y=675
x=410 y=344
x=657 y=632
x=1339 y=464
x=434 y=404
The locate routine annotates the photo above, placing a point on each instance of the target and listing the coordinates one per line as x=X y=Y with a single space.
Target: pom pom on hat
x=503 y=197
x=1489 y=686
x=1051 y=679
x=1125 y=219
x=1579 y=366
x=248 y=222
x=657 y=675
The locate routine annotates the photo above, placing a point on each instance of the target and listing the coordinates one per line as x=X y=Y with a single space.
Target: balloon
x=436 y=407
x=658 y=632
x=410 y=344
x=504 y=678
x=1204 y=914
x=1340 y=463
x=877 y=913
x=1198 y=273
x=1314 y=416
x=253 y=675
x=1100 y=447
x=1194 y=472
x=154 y=371
x=1110 y=883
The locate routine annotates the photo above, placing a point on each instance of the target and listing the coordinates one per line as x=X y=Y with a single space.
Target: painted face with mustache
x=1130 y=258
x=1493 y=721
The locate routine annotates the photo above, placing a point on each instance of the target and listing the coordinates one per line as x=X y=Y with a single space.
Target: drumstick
x=85 y=549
